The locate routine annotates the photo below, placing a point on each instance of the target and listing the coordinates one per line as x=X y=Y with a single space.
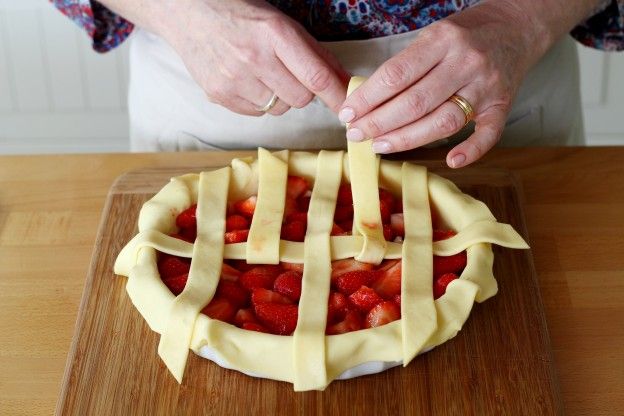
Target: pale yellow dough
x=309 y=359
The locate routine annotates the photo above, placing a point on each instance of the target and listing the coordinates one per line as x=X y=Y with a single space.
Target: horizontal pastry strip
x=342 y=247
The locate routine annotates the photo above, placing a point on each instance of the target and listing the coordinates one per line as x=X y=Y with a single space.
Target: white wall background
x=58 y=96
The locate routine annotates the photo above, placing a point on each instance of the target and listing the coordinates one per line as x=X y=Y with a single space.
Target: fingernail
x=355 y=135
x=381 y=147
x=458 y=160
x=346 y=115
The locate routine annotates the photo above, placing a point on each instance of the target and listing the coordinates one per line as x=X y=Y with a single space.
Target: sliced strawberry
x=241 y=265
x=336 y=230
x=229 y=273
x=344 y=195
x=232 y=292
x=398 y=224
x=351 y=322
x=388 y=283
x=297 y=216
x=397 y=299
x=187 y=219
x=340 y=267
x=382 y=314
x=247 y=206
x=236 y=222
x=440 y=284
x=294 y=231
x=297 y=267
x=364 y=299
x=288 y=284
x=252 y=326
x=290 y=207
x=346 y=225
x=245 y=316
x=188 y=234
x=296 y=186
x=261 y=295
x=442 y=234
x=238 y=236
x=386 y=211
x=388 y=232
x=259 y=276
x=449 y=264
x=343 y=213
x=220 y=309
x=387 y=265
x=278 y=318
x=171 y=266
x=398 y=206
x=349 y=282
x=337 y=305
x=303 y=203
x=387 y=198
x=176 y=283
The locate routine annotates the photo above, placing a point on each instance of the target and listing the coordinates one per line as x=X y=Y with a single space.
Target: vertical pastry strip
x=309 y=336
x=364 y=172
x=263 y=243
x=204 y=273
x=418 y=311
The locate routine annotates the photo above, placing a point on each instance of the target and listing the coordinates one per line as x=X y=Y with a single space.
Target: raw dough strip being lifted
x=263 y=243
x=309 y=336
x=204 y=273
x=364 y=173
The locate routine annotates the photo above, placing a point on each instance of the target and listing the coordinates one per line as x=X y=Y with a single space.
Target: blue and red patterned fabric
x=333 y=20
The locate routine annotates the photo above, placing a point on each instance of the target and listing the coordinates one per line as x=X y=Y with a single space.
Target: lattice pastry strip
x=309 y=336
x=228 y=345
x=364 y=170
x=263 y=244
x=204 y=272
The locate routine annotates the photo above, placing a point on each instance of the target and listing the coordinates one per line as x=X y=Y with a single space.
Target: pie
x=309 y=267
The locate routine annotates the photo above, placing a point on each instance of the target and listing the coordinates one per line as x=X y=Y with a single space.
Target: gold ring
x=270 y=104
x=465 y=106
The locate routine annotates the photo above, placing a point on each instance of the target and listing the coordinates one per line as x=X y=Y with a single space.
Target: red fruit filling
x=265 y=298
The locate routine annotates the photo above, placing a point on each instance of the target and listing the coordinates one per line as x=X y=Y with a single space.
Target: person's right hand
x=240 y=52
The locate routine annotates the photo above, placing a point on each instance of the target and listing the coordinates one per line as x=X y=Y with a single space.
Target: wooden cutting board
x=500 y=363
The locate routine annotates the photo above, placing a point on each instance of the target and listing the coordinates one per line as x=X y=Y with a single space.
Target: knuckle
x=475 y=59
x=416 y=104
x=395 y=72
x=447 y=123
x=373 y=126
x=405 y=142
x=450 y=31
x=318 y=79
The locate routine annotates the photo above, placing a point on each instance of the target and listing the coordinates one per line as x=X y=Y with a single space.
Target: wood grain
x=50 y=208
x=501 y=363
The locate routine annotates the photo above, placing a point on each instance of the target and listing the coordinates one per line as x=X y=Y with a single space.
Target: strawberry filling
x=265 y=298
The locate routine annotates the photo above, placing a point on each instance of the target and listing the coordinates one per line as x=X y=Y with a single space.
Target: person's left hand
x=481 y=54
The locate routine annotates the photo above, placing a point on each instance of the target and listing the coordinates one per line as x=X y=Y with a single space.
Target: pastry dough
x=364 y=350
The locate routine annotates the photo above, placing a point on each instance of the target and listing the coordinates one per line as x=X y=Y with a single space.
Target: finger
x=288 y=88
x=412 y=104
x=280 y=108
x=488 y=130
x=312 y=71
x=241 y=105
x=444 y=121
x=395 y=75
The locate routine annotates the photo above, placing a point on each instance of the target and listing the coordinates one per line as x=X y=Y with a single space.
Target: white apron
x=169 y=112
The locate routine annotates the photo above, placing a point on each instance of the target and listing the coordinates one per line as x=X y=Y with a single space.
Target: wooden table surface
x=50 y=210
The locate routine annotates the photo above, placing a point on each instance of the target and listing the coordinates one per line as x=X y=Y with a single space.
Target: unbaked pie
x=330 y=265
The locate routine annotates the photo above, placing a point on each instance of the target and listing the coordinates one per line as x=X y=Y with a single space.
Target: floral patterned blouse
x=332 y=20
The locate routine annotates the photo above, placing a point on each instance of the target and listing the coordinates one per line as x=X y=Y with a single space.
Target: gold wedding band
x=268 y=106
x=465 y=106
